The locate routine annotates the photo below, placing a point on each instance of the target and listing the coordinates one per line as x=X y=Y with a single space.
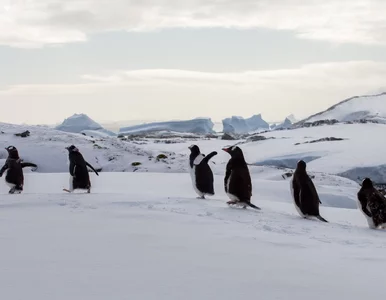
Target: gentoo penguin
x=79 y=177
x=200 y=172
x=372 y=204
x=237 y=180
x=14 y=167
x=304 y=194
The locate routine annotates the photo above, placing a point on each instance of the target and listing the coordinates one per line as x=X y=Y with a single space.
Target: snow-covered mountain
x=81 y=123
x=285 y=125
x=354 y=109
x=196 y=126
x=239 y=125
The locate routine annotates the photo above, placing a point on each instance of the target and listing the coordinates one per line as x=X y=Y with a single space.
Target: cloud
x=168 y=94
x=34 y=23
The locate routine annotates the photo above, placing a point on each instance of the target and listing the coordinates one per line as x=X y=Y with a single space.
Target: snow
x=371 y=107
x=353 y=157
x=197 y=126
x=81 y=123
x=146 y=236
x=239 y=125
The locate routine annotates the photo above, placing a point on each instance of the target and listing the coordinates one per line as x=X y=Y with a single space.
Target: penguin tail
x=253 y=206
x=321 y=218
x=209 y=156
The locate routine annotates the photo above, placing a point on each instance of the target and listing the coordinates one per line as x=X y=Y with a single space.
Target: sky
x=180 y=59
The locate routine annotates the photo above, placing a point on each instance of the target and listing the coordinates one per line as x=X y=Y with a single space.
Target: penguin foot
x=12 y=190
x=202 y=197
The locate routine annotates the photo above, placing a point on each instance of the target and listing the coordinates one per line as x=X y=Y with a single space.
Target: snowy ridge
x=81 y=123
x=354 y=153
x=196 y=126
x=367 y=107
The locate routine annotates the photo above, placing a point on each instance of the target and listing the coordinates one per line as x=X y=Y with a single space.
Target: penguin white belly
x=369 y=220
x=293 y=198
x=193 y=177
x=231 y=196
x=11 y=185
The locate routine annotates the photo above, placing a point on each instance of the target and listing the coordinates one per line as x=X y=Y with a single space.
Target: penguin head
x=367 y=183
x=301 y=166
x=234 y=151
x=72 y=148
x=194 y=149
x=12 y=152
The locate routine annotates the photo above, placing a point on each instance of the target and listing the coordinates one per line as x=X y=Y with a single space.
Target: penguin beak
x=225 y=149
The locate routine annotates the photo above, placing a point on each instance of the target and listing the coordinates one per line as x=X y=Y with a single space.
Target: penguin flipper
x=209 y=156
x=24 y=165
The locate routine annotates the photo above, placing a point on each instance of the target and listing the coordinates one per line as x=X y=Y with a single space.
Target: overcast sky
x=180 y=59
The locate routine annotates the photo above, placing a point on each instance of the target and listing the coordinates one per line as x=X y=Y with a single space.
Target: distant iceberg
x=239 y=125
x=81 y=123
x=196 y=126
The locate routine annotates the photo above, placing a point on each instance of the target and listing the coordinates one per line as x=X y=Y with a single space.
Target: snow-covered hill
x=146 y=236
x=349 y=150
x=81 y=123
x=239 y=125
x=368 y=107
x=196 y=126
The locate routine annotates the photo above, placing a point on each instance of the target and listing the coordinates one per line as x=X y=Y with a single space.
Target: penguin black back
x=304 y=192
x=237 y=180
x=14 y=167
x=373 y=203
x=78 y=168
x=201 y=173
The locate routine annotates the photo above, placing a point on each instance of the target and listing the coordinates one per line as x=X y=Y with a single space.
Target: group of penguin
x=79 y=175
x=237 y=182
x=238 y=187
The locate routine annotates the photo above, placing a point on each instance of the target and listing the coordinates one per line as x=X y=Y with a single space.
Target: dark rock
x=161 y=156
x=228 y=137
x=23 y=134
x=326 y=139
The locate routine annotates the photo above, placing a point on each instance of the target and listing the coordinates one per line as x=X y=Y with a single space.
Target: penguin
x=79 y=176
x=304 y=194
x=200 y=172
x=14 y=167
x=237 y=180
x=372 y=204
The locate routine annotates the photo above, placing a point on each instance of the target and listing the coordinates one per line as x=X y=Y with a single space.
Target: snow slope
x=81 y=123
x=197 y=126
x=372 y=107
x=145 y=236
x=355 y=157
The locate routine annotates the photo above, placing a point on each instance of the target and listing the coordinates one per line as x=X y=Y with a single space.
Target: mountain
x=196 y=126
x=370 y=108
x=239 y=125
x=81 y=123
x=285 y=125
